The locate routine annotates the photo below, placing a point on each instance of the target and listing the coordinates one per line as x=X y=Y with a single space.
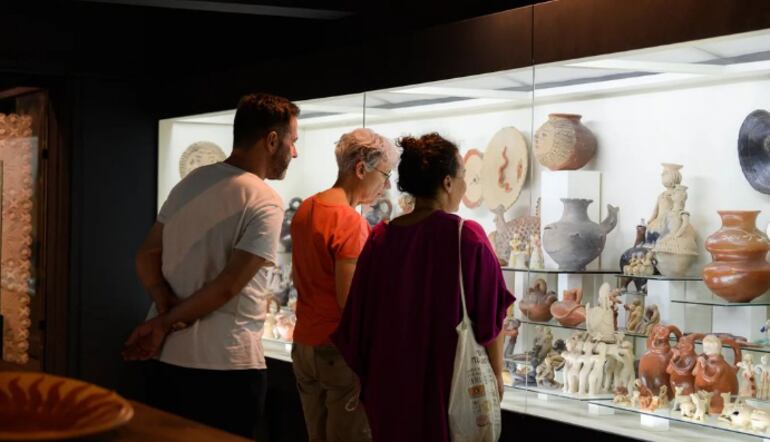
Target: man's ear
x=271 y=141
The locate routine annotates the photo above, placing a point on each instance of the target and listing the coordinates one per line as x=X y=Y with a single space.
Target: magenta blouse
x=398 y=327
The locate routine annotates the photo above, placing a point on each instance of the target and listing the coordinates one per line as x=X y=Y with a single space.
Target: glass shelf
x=559 y=393
x=635 y=293
x=553 y=323
x=661 y=277
x=711 y=421
x=719 y=302
x=560 y=272
x=751 y=348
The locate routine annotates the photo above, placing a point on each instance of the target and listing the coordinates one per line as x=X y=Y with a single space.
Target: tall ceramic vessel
x=656 y=226
x=739 y=271
x=713 y=373
x=682 y=363
x=575 y=240
x=678 y=248
x=653 y=364
x=564 y=143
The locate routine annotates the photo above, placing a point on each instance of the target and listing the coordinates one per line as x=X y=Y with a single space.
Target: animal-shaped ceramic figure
x=702 y=404
x=680 y=398
x=525 y=226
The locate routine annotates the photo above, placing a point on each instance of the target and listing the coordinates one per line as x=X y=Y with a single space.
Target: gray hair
x=363 y=145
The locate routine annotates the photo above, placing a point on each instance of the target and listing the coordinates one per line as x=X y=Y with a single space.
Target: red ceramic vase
x=739 y=271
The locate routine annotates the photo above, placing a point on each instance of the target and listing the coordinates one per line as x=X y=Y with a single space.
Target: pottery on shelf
x=286 y=226
x=536 y=304
x=654 y=363
x=569 y=311
x=739 y=271
x=564 y=143
x=714 y=374
x=379 y=211
x=637 y=248
x=677 y=249
x=656 y=225
x=753 y=154
x=574 y=241
x=526 y=226
x=682 y=363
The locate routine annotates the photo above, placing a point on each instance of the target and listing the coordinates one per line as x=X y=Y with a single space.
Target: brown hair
x=257 y=115
x=425 y=161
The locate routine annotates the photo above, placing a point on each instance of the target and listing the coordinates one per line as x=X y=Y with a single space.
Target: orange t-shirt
x=321 y=233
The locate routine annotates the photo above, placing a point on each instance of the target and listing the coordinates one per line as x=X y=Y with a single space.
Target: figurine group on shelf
x=281 y=305
x=526 y=254
x=700 y=385
x=595 y=366
x=667 y=244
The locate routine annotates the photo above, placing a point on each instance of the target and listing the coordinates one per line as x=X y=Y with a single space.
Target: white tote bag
x=474 y=404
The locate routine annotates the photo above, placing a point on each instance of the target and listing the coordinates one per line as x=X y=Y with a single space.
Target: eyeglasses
x=385 y=174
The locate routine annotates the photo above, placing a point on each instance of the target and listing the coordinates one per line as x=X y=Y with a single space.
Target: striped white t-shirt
x=212 y=211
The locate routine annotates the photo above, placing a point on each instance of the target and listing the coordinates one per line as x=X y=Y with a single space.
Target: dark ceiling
x=170 y=37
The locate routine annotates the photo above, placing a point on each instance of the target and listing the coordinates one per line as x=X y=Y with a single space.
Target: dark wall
x=113 y=205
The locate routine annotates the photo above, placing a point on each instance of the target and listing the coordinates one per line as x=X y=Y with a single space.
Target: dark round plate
x=754 y=150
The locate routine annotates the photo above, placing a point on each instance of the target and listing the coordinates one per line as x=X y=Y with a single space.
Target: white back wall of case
x=694 y=126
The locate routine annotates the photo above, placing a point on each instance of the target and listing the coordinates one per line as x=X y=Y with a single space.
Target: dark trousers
x=231 y=400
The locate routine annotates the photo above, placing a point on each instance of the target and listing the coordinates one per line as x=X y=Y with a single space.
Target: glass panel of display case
x=193 y=141
x=653 y=164
x=489 y=118
x=23 y=134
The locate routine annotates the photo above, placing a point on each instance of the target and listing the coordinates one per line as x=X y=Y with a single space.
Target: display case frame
x=588 y=35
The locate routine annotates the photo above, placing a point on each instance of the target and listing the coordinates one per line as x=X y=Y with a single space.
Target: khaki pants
x=328 y=389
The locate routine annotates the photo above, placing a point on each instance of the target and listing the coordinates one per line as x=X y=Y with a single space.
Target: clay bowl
x=754 y=150
x=39 y=406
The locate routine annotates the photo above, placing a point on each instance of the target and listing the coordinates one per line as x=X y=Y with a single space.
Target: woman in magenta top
x=398 y=329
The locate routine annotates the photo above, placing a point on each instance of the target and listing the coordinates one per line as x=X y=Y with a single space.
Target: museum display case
x=625 y=195
x=23 y=136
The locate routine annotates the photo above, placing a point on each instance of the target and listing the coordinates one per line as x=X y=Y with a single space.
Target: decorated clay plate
x=504 y=168
x=39 y=406
x=754 y=150
x=201 y=153
x=474 y=161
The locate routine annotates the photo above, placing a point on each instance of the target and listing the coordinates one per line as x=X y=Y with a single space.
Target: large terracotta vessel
x=570 y=312
x=536 y=304
x=564 y=143
x=653 y=364
x=682 y=363
x=713 y=373
x=574 y=241
x=739 y=271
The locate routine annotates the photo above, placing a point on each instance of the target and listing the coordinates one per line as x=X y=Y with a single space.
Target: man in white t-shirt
x=204 y=263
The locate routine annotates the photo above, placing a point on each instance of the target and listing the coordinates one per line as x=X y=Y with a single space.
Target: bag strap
x=460 y=259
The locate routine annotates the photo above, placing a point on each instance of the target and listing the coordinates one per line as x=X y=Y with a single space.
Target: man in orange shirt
x=328 y=235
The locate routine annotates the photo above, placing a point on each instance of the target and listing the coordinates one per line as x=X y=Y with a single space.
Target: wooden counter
x=151 y=424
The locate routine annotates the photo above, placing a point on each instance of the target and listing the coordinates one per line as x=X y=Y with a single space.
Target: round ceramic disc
x=201 y=153
x=504 y=169
x=474 y=161
x=754 y=148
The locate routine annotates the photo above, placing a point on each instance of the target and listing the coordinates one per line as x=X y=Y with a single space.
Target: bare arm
x=343 y=278
x=149 y=270
x=495 y=355
x=147 y=339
